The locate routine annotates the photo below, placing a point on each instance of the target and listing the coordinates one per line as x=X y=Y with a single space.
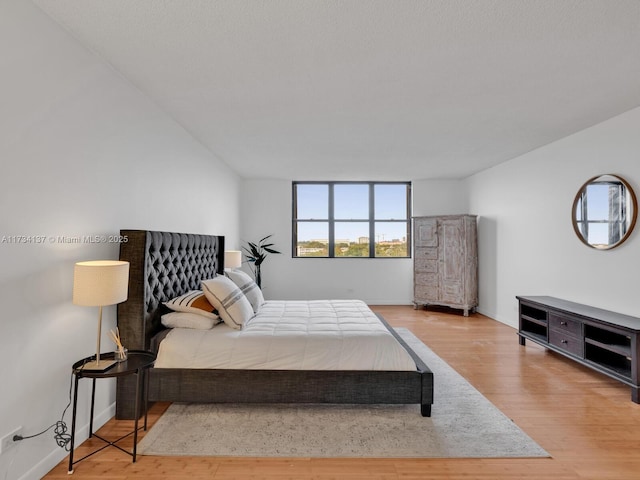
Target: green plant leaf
x=256 y=253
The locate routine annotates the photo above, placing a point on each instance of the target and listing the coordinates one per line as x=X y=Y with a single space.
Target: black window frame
x=331 y=220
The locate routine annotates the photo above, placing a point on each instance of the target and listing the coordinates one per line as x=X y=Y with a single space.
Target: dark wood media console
x=602 y=340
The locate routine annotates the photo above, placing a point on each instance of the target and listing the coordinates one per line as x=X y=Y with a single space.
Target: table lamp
x=99 y=283
x=232 y=259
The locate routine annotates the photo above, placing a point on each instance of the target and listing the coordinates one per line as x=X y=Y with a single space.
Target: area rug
x=463 y=424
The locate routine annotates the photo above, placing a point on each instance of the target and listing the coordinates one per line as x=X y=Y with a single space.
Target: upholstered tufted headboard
x=163 y=265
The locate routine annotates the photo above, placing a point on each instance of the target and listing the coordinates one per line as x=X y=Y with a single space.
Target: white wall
x=82 y=153
x=526 y=240
x=267 y=209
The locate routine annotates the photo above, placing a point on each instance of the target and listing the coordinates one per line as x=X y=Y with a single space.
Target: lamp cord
x=60 y=432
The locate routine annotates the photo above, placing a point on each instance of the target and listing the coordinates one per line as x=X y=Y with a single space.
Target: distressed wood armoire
x=445 y=265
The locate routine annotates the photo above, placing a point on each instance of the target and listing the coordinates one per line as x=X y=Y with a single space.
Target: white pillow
x=226 y=297
x=250 y=289
x=187 y=320
x=193 y=302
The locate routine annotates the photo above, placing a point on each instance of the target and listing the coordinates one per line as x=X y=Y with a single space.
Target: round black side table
x=137 y=363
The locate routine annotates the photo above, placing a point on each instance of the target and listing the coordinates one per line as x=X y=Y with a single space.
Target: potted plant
x=256 y=253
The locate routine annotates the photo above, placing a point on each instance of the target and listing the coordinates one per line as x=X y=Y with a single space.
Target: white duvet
x=291 y=335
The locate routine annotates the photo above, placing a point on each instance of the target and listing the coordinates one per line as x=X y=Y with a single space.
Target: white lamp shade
x=232 y=259
x=100 y=282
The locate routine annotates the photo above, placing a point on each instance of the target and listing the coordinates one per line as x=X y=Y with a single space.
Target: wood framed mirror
x=604 y=212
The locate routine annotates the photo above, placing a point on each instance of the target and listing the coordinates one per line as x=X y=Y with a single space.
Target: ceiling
x=370 y=89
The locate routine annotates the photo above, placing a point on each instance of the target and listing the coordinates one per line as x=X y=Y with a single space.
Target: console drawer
x=566 y=342
x=565 y=324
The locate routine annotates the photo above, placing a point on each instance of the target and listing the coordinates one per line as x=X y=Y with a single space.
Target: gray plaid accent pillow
x=228 y=299
x=250 y=289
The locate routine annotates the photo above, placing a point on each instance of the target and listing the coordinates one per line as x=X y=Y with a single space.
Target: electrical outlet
x=7 y=442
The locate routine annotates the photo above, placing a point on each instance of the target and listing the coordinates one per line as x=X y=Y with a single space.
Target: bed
x=164 y=265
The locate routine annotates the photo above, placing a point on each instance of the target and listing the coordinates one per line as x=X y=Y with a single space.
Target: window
x=602 y=220
x=352 y=219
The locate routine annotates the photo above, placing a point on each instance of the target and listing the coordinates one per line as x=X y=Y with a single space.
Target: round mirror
x=604 y=212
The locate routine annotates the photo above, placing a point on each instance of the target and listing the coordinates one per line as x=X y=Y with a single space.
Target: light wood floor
x=586 y=421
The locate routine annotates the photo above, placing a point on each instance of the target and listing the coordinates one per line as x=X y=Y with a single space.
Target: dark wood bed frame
x=164 y=265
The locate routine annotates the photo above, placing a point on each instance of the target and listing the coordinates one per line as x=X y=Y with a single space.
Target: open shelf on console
x=533 y=314
x=534 y=329
x=614 y=342
x=619 y=364
x=533 y=322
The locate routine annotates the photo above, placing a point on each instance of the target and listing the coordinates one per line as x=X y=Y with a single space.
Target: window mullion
x=585 y=225
x=409 y=241
x=372 y=223
x=332 y=225
x=294 y=222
